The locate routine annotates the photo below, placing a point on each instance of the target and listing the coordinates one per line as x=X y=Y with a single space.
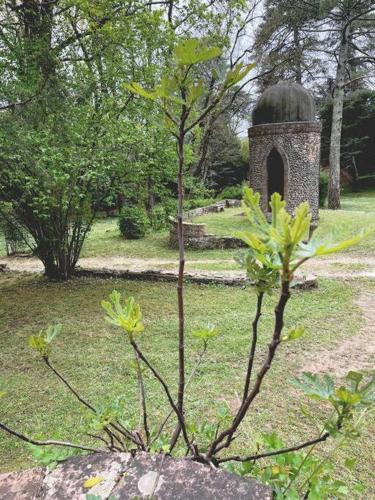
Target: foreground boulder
x=120 y=476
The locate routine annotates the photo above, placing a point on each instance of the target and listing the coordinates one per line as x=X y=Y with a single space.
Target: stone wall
x=195 y=235
x=191 y=232
x=122 y=476
x=299 y=146
x=219 y=206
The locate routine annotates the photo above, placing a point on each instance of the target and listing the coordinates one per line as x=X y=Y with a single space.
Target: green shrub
x=231 y=193
x=170 y=207
x=133 y=222
x=198 y=203
x=323 y=188
x=14 y=234
x=159 y=218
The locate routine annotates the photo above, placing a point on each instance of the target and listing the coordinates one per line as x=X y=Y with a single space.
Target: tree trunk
x=51 y=269
x=337 y=115
x=298 y=56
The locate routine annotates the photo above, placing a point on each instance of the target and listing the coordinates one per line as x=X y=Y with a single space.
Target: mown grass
x=96 y=358
x=334 y=226
x=357 y=214
x=106 y=240
x=363 y=201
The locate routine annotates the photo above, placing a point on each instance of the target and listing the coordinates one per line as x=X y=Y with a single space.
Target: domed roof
x=284 y=102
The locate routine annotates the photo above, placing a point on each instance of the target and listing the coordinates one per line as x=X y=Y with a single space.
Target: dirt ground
x=340 y=267
x=354 y=353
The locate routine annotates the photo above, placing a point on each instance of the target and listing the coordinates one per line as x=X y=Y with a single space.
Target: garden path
x=335 y=267
x=356 y=352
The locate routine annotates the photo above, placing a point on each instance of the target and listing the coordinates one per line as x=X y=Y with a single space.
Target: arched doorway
x=275 y=174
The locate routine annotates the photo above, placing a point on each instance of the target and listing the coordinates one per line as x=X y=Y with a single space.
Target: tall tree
x=285 y=43
x=309 y=37
x=351 y=24
x=63 y=106
x=358 y=133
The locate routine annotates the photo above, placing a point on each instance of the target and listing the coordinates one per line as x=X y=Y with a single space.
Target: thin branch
x=258 y=456
x=272 y=348
x=142 y=397
x=118 y=427
x=166 y=390
x=66 y=383
x=191 y=376
x=49 y=442
x=253 y=346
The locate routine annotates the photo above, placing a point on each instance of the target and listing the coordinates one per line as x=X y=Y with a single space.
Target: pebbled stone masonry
x=298 y=143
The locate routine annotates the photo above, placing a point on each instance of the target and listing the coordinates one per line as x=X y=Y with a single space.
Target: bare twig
x=142 y=397
x=218 y=444
x=67 y=384
x=166 y=390
x=181 y=267
x=49 y=442
x=253 y=346
x=258 y=456
x=128 y=434
x=191 y=376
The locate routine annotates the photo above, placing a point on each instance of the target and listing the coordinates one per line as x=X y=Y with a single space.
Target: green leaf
x=237 y=74
x=314 y=386
x=355 y=378
x=348 y=397
x=300 y=225
x=326 y=250
x=194 y=51
x=276 y=205
x=206 y=333
x=295 y=333
x=167 y=90
x=127 y=316
x=195 y=91
x=51 y=456
x=52 y=332
x=251 y=240
x=38 y=343
x=135 y=88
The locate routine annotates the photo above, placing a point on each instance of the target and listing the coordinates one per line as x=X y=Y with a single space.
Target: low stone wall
x=233 y=278
x=122 y=476
x=192 y=232
x=219 y=206
x=212 y=242
x=195 y=235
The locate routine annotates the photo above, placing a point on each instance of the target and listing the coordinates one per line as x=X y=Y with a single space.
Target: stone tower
x=285 y=147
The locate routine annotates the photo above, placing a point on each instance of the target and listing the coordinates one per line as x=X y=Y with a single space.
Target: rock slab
x=120 y=476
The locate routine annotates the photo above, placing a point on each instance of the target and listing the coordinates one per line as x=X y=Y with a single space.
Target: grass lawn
x=105 y=239
x=357 y=214
x=96 y=358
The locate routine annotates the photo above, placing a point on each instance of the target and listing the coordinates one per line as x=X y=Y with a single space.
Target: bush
x=159 y=218
x=16 y=239
x=198 y=203
x=133 y=222
x=170 y=207
x=323 y=188
x=231 y=193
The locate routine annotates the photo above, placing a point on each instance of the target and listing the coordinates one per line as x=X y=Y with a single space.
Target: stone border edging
x=200 y=278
